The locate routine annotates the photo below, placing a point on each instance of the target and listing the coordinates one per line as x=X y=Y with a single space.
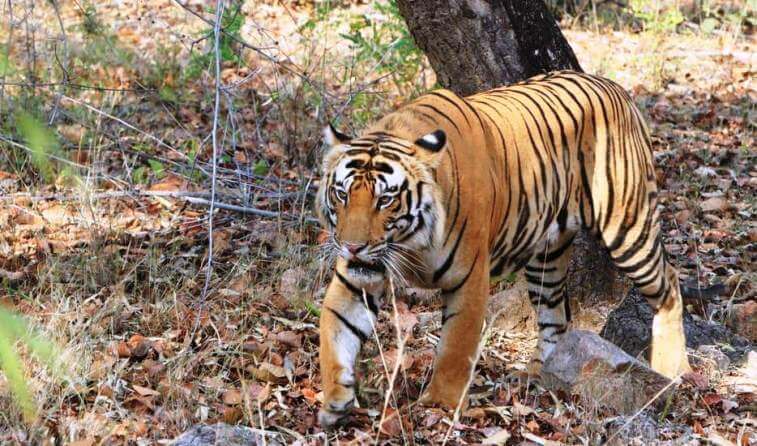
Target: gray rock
x=622 y=431
x=602 y=374
x=629 y=326
x=713 y=355
x=643 y=430
x=742 y=318
x=217 y=434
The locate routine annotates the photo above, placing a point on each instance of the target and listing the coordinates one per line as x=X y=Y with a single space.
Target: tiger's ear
x=432 y=147
x=433 y=142
x=334 y=137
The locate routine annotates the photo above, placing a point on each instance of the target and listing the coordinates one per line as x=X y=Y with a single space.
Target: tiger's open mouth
x=359 y=267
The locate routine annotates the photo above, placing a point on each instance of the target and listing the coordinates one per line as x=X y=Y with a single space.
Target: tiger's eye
x=385 y=200
x=341 y=195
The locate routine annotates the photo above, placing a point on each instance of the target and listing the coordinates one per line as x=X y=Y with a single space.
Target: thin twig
x=154 y=138
x=214 y=141
x=644 y=407
x=63 y=64
x=76 y=86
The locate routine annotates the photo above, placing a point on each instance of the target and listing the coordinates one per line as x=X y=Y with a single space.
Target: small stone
x=704 y=171
x=713 y=355
x=714 y=204
x=513 y=309
x=601 y=373
x=291 y=283
x=640 y=430
x=742 y=319
x=220 y=433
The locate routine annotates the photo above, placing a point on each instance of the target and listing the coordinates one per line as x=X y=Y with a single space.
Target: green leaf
x=42 y=142
x=6 y=66
x=157 y=168
x=312 y=308
x=139 y=175
x=709 y=25
x=260 y=168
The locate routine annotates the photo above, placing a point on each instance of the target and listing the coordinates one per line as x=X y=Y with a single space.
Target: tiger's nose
x=354 y=248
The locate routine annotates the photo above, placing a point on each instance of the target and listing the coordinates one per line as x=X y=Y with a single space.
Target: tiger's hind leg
x=546 y=275
x=642 y=258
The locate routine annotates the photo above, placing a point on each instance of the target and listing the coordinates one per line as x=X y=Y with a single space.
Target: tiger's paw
x=446 y=400
x=333 y=415
x=672 y=366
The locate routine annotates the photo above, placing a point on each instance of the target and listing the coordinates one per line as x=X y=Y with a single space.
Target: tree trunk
x=476 y=45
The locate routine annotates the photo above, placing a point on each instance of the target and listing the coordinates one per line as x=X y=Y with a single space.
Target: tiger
x=451 y=192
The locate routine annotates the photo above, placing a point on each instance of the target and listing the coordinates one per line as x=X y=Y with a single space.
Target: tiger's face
x=379 y=201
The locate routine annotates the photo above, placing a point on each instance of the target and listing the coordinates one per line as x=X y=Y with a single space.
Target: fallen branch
x=249 y=210
x=138 y=193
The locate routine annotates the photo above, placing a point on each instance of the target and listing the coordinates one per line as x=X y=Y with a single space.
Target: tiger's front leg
x=347 y=318
x=462 y=322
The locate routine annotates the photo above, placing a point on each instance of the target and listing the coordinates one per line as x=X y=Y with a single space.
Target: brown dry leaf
x=533 y=426
x=390 y=357
x=168 y=184
x=89 y=441
x=290 y=338
x=145 y=391
x=57 y=215
x=256 y=392
x=242 y=283
x=521 y=410
x=498 y=438
x=123 y=350
x=268 y=372
x=711 y=399
x=682 y=216
x=309 y=395
x=697 y=380
x=391 y=425
x=714 y=204
x=232 y=397
x=221 y=241
x=240 y=157
x=232 y=415
x=407 y=319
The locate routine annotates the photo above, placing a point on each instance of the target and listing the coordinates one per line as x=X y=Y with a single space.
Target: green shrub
x=13 y=331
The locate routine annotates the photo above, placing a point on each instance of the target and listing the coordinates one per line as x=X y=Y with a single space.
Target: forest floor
x=106 y=249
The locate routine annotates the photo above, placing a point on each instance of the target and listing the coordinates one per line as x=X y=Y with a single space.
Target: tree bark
x=476 y=45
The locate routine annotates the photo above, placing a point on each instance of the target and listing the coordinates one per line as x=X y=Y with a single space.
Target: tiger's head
x=380 y=201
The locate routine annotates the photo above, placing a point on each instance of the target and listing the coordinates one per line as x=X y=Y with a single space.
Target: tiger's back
x=540 y=155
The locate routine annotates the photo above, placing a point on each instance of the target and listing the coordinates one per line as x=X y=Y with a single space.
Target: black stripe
x=358 y=292
x=360 y=335
x=460 y=109
x=448 y=262
x=554 y=255
x=465 y=279
x=540 y=269
x=444 y=115
x=446 y=317
x=456 y=191
x=533 y=280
